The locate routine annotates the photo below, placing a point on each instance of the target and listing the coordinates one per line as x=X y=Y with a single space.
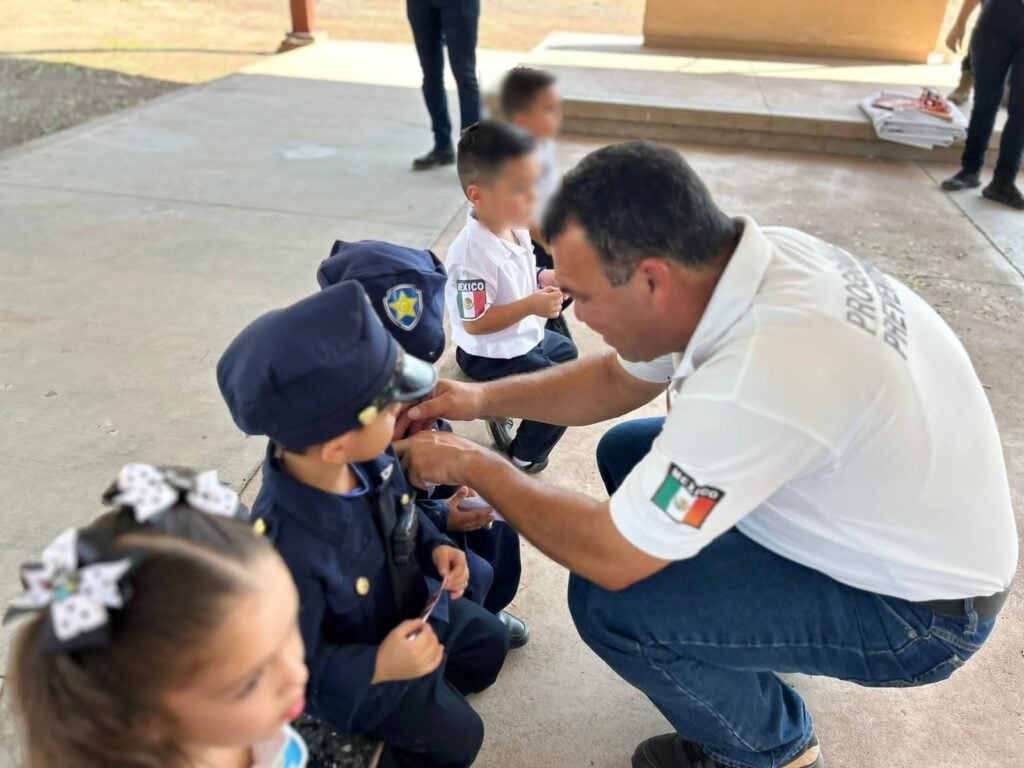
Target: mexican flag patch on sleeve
x=471 y=296
x=684 y=500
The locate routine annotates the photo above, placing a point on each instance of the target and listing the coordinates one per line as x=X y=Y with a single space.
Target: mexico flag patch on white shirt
x=471 y=296
x=684 y=500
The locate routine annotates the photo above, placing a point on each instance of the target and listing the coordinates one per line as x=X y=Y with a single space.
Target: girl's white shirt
x=286 y=750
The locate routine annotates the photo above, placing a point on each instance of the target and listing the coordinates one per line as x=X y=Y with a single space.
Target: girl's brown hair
x=103 y=707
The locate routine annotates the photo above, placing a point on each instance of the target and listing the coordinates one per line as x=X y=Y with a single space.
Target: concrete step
x=731 y=110
x=615 y=87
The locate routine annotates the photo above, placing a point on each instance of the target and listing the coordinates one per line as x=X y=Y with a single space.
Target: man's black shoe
x=433 y=159
x=501 y=433
x=670 y=751
x=963 y=180
x=667 y=751
x=1004 y=192
x=517 y=629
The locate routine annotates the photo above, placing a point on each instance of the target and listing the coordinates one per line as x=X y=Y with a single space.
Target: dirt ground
x=40 y=97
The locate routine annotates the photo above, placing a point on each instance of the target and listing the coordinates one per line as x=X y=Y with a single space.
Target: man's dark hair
x=521 y=86
x=486 y=146
x=638 y=200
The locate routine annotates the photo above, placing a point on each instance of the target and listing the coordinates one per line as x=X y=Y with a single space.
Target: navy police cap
x=313 y=371
x=405 y=286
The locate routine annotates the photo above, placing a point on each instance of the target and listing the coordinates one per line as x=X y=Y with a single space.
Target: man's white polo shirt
x=485 y=270
x=832 y=416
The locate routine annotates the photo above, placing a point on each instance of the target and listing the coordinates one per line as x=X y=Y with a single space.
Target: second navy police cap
x=405 y=286
x=313 y=371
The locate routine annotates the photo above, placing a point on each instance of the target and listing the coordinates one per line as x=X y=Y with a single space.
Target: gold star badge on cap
x=404 y=306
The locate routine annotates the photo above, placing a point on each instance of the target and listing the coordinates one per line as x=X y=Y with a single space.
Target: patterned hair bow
x=78 y=595
x=80 y=587
x=150 y=491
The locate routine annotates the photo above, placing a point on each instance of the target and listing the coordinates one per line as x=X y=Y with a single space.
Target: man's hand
x=547 y=302
x=466 y=520
x=440 y=458
x=402 y=658
x=406 y=426
x=451 y=400
x=451 y=562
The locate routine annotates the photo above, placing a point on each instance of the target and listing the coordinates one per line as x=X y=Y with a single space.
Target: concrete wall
x=898 y=31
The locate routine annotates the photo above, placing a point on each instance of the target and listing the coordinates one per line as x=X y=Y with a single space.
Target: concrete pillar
x=303 y=26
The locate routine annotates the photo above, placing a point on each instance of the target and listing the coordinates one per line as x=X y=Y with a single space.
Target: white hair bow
x=150 y=491
x=78 y=597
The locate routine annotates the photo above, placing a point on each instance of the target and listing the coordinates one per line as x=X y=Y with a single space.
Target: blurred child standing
x=530 y=100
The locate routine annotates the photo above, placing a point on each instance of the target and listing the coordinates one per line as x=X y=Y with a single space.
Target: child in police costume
x=498 y=300
x=529 y=100
x=406 y=289
x=324 y=381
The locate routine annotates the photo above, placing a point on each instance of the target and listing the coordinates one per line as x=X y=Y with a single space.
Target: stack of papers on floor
x=925 y=121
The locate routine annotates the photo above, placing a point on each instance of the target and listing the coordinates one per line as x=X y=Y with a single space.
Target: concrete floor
x=134 y=248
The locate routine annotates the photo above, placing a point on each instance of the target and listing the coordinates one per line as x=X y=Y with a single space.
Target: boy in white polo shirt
x=497 y=299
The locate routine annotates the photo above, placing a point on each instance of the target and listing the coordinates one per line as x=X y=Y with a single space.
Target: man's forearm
x=572 y=394
x=571 y=528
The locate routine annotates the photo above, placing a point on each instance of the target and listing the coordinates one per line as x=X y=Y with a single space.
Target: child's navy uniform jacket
x=406 y=290
x=304 y=375
x=338 y=558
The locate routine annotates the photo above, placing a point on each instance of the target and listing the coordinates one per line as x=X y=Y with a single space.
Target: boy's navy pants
x=433 y=725
x=534 y=440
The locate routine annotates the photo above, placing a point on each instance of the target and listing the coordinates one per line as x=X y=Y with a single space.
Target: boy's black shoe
x=533 y=468
x=501 y=433
x=1004 y=192
x=670 y=751
x=517 y=629
x=962 y=180
x=433 y=159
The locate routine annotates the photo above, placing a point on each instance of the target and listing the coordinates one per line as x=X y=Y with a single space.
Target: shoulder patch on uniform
x=403 y=304
x=471 y=297
x=685 y=500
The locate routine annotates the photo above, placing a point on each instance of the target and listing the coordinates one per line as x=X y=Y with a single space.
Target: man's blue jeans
x=704 y=637
x=452 y=23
